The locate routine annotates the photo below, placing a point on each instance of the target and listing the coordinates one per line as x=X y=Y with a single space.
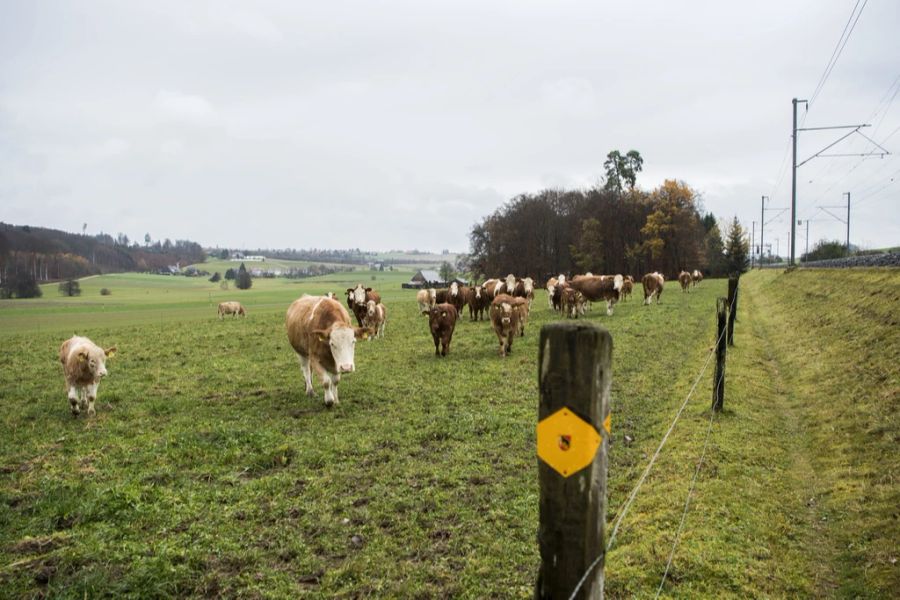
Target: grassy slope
x=210 y=473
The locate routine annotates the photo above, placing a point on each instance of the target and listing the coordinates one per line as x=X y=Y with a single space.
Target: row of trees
x=613 y=228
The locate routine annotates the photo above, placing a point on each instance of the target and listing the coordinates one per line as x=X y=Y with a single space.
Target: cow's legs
x=307 y=375
x=609 y=308
x=330 y=390
x=91 y=397
x=74 y=400
x=437 y=344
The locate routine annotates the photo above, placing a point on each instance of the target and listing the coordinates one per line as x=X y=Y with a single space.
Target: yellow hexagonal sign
x=566 y=442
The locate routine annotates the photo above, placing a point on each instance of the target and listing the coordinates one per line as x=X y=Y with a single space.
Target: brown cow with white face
x=599 y=287
x=552 y=284
x=319 y=330
x=505 y=321
x=376 y=316
x=684 y=278
x=627 y=287
x=358 y=297
x=84 y=365
x=653 y=286
x=492 y=287
x=520 y=305
x=478 y=302
x=441 y=323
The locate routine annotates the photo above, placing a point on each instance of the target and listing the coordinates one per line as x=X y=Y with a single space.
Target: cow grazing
x=319 y=330
x=376 y=315
x=231 y=308
x=684 y=278
x=653 y=286
x=505 y=321
x=442 y=322
x=84 y=365
x=627 y=287
x=478 y=301
x=599 y=287
x=424 y=300
x=696 y=277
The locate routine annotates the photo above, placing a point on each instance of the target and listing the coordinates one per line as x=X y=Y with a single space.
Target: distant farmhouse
x=427 y=278
x=248 y=257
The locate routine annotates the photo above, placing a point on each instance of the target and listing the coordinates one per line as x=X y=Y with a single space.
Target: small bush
x=105 y=292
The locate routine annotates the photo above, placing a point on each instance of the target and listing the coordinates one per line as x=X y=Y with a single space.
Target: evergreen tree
x=230 y=274
x=737 y=250
x=216 y=277
x=243 y=281
x=714 y=251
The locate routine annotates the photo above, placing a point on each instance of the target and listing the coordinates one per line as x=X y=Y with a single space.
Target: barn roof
x=428 y=275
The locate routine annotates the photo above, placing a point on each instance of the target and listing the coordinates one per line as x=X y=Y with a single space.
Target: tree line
x=31 y=255
x=613 y=228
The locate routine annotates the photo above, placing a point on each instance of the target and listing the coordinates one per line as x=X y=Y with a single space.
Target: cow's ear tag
x=82 y=356
x=322 y=338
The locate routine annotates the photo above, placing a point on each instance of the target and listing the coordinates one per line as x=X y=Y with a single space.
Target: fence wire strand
x=650 y=464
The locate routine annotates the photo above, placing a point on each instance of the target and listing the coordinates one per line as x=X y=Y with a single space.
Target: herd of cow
x=321 y=333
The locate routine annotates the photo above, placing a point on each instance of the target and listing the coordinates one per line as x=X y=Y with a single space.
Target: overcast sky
x=387 y=124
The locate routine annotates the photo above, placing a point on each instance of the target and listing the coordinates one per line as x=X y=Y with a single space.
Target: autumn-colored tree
x=588 y=251
x=673 y=231
x=737 y=250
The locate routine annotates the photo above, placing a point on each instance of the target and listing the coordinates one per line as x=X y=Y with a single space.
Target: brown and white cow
x=696 y=277
x=520 y=305
x=441 y=323
x=376 y=316
x=358 y=297
x=599 y=287
x=653 y=286
x=570 y=301
x=320 y=332
x=505 y=321
x=425 y=301
x=684 y=279
x=627 y=287
x=84 y=365
x=552 y=284
x=231 y=308
x=330 y=295
x=492 y=287
x=478 y=302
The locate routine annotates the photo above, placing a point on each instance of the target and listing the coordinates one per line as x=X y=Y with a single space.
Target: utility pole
x=794 y=179
x=752 y=244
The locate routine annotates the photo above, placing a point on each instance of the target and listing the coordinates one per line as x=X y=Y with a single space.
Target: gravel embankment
x=888 y=259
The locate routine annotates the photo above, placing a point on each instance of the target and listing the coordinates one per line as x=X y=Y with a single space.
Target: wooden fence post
x=574 y=377
x=719 y=377
x=733 y=304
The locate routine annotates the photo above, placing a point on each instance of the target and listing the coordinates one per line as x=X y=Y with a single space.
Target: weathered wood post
x=574 y=377
x=719 y=377
x=733 y=304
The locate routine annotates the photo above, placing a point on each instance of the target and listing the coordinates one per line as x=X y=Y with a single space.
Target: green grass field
x=207 y=472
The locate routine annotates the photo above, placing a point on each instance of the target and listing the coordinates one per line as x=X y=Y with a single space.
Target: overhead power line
x=839 y=48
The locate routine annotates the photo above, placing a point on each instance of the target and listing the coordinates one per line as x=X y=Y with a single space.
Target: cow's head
x=478 y=292
x=454 y=289
x=350 y=297
x=529 y=285
x=359 y=294
x=92 y=360
x=510 y=282
x=506 y=311
x=370 y=308
x=242 y=311
x=341 y=340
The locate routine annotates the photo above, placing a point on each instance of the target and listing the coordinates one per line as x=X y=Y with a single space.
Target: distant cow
x=452 y=295
x=627 y=287
x=425 y=301
x=478 y=302
x=552 y=293
x=492 y=287
x=599 y=287
x=330 y=295
x=684 y=278
x=653 y=286
x=84 y=365
x=319 y=330
x=231 y=308
x=358 y=297
x=376 y=315
x=505 y=321
x=442 y=322
x=696 y=277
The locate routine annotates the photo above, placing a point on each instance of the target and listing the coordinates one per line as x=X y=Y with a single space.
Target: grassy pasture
x=207 y=472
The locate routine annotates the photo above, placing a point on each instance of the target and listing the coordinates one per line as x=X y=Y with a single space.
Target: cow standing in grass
x=84 y=365
x=684 y=279
x=653 y=286
x=599 y=287
x=376 y=316
x=505 y=321
x=696 y=277
x=357 y=299
x=425 y=301
x=234 y=309
x=320 y=332
x=627 y=287
x=441 y=323
x=478 y=302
